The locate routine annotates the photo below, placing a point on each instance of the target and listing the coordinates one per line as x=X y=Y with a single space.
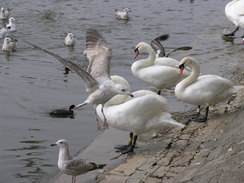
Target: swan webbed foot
x=231 y=33
x=121 y=147
x=125 y=149
x=129 y=149
x=192 y=116
x=200 y=120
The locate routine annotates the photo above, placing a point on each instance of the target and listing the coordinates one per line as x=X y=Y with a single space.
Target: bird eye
x=123 y=90
x=61 y=142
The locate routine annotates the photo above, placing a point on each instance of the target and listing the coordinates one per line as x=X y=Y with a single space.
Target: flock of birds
x=141 y=111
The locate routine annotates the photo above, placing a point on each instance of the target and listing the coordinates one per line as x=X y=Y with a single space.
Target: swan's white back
x=234 y=11
x=203 y=90
x=161 y=73
x=145 y=112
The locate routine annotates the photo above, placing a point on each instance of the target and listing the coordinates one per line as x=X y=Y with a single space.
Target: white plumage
x=202 y=90
x=162 y=73
x=234 y=11
x=122 y=15
x=143 y=113
x=69 y=39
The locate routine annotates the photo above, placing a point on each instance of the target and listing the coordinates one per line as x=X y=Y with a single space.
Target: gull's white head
x=70 y=35
x=121 y=89
x=12 y=20
x=7 y=40
x=61 y=143
x=127 y=10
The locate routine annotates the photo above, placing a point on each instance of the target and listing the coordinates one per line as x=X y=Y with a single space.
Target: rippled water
x=33 y=83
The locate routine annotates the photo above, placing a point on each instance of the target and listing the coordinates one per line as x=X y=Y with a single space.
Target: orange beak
x=136 y=54
x=181 y=70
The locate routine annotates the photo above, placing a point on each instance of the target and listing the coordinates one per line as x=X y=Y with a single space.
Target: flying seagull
x=97 y=77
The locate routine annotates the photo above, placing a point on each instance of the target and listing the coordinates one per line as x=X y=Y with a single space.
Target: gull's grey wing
x=176 y=49
x=156 y=45
x=80 y=165
x=98 y=53
x=90 y=82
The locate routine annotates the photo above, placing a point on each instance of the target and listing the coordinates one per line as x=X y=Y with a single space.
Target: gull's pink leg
x=105 y=123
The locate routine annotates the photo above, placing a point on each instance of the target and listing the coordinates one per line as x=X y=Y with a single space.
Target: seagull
x=72 y=165
x=159 y=48
x=4 y=13
x=97 y=77
x=11 y=26
x=69 y=39
x=234 y=11
x=122 y=15
x=9 y=44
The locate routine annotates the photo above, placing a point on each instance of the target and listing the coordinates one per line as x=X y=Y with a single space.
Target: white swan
x=69 y=39
x=234 y=11
x=122 y=15
x=143 y=113
x=202 y=90
x=163 y=75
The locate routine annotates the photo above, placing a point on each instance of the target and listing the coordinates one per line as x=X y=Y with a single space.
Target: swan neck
x=150 y=59
x=193 y=76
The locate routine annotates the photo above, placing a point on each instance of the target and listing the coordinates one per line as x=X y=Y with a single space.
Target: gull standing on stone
x=72 y=165
x=97 y=77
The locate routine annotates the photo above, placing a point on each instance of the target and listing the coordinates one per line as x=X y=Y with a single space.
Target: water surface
x=33 y=83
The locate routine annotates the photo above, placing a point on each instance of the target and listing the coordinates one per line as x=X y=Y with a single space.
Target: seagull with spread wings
x=97 y=77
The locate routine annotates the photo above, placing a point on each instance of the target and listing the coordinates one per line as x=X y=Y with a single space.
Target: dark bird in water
x=63 y=112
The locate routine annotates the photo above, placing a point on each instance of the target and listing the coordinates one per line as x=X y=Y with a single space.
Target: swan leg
x=233 y=32
x=196 y=115
x=123 y=147
x=204 y=119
